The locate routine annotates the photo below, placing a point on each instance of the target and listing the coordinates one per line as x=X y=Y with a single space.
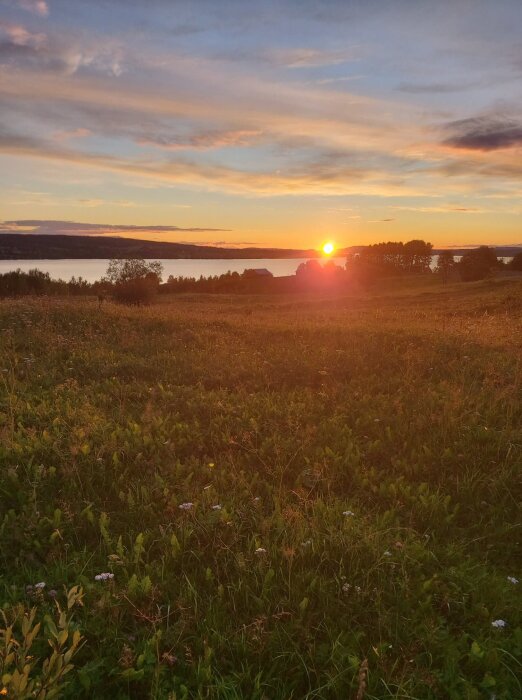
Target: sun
x=328 y=248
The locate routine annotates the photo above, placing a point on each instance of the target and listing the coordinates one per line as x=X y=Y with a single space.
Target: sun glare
x=328 y=248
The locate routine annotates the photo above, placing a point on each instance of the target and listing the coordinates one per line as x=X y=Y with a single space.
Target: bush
x=135 y=281
x=478 y=264
x=136 y=292
x=516 y=263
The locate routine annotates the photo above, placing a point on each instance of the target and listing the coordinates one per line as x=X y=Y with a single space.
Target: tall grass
x=353 y=469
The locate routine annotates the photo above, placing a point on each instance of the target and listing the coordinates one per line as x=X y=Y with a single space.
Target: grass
x=403 y=408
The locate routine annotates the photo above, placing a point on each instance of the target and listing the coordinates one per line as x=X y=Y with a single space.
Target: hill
x=17 y=246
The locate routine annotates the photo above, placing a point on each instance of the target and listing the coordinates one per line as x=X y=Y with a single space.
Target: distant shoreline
x=17 y=246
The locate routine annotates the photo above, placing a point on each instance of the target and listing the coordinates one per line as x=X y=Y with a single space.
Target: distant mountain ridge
x=18 y=246
x=15 y=246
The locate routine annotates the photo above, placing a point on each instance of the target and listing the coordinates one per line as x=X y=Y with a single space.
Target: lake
x=92 y=270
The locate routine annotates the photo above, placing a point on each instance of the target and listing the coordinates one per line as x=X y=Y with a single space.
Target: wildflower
x=256 y=499
x=216 y=507
x=40 y=586
x=106 y=576
x=387 y=553
x=498 y=624
x=211 y=465
x=52 y=593
x=260 y=550
x=306 y=543
x=349 y=513
x=512 y=580
x=3 y=691
x=346 y=588
x=186 y=506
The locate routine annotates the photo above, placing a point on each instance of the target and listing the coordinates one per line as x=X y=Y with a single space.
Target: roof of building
x=262 y=271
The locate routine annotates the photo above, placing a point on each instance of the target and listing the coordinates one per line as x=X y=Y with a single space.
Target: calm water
x=92 y=270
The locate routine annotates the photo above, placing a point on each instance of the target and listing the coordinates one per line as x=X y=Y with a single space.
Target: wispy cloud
x=37 y=7
x=16 y=35
x=62 y=54
x=448 y=209
x=74 y=228
x=202 y=140
x=311 y=58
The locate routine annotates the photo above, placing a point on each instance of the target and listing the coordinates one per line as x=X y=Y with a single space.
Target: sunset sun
x=328 y=248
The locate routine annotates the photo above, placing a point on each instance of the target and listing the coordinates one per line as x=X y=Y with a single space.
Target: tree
x=390 y=259
x=477 y=264
x=445 y=264
x=516 y=263
x=134 y=281
x=131 y=269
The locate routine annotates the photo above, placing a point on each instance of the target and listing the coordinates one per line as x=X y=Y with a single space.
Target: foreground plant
x=25 y=671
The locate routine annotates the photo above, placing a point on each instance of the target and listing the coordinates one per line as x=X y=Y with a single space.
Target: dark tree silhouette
x=477 y=264
x=134 y=281
x=445 y=264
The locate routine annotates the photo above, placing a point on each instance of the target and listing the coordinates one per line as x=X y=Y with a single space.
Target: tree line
x=137 y=281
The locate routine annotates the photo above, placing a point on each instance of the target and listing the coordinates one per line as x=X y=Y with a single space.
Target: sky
x=278 y=123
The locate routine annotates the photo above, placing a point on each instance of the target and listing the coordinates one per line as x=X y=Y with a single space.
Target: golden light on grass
x=328 y=248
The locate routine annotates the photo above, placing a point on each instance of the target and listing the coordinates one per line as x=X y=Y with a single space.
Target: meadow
x=268 y=498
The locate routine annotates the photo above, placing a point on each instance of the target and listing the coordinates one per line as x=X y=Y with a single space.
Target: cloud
x=17 y=35
x=103 y=202
x=37 y=7
x=310 y=58
x=436 y=88
x=441 y=210
x=59 y=54
x=74 y=228
x=380 y=221
x=327 y=176
x=67 y=134
x=484 y=133
x=203 y=140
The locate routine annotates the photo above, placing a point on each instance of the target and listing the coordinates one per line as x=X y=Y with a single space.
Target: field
x=349 y=470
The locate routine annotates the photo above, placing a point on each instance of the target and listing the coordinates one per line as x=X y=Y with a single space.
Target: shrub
x=516 y=263
x=477 y=264
x=135 y=281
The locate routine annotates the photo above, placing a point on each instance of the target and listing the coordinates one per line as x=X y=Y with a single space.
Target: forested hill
x=14 y=246
x=18 y=246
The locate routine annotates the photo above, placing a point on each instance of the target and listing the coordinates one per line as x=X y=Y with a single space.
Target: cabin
x=257 y=272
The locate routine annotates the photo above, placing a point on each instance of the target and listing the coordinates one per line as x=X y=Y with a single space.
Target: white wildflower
x=346 y=587
x=105 y=576
x=260 y=550
x=499 y=624
x=349 y=513
x=512 y=580
x=217 y=507
x=186 y=506
x=387 y=553
x=40 y=585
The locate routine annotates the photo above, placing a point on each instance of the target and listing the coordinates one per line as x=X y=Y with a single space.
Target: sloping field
x=349 y=471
